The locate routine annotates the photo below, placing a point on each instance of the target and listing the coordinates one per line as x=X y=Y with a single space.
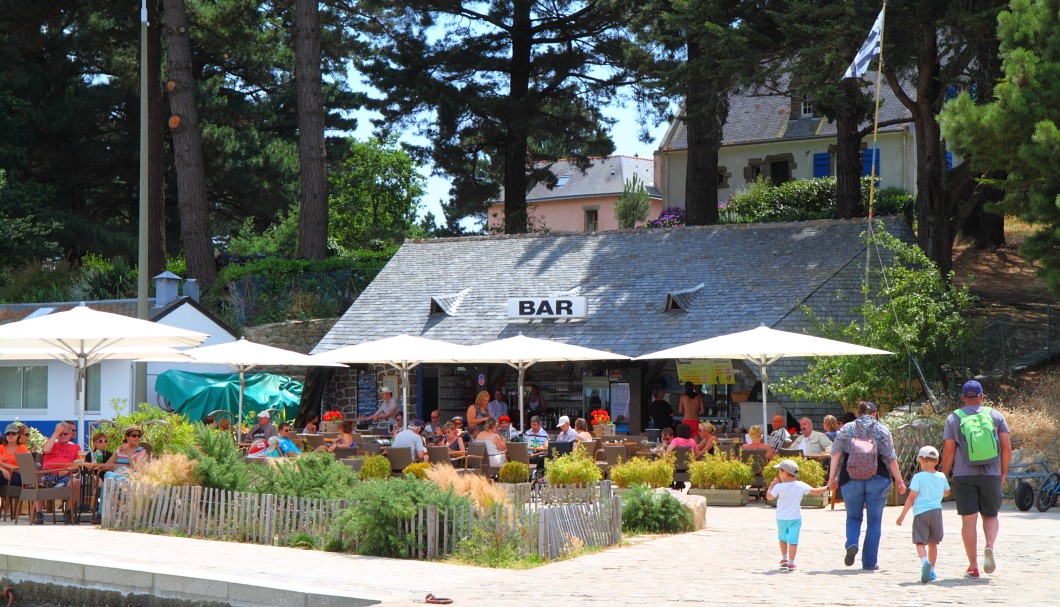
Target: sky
x=623 y=133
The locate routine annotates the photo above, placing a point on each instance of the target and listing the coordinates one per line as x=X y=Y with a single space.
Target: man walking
x=863 y=463
x=978 y=449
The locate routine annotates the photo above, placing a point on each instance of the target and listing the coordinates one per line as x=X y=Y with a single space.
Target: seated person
x=457 y=450
x=56 y=470
x=708 y=442
x=129 y=454
x=566 y=434
x=8 y=463
x=495 y=445
x=209 y=421
x=285 y=444
x=536 y=441
x=505 y=429
x=263 y=430
x=410 y=438
x=754 y=434
x=273 y=448
x=684 y=439
x=581 y=428
x=345 y=438
x=312 y=426
x=666 y=436
x=812 y=442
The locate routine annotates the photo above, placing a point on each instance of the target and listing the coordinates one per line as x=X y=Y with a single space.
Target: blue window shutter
x=951 y=92
x=949 y=161
x=973 y=90
x=822 y=164
x=866 y=158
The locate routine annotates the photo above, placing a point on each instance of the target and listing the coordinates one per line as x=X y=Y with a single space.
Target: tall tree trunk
x=187 y=147
x=706 y=109
x=848 y=156
x=156 y=120
x=312 y=157
x=515 y=145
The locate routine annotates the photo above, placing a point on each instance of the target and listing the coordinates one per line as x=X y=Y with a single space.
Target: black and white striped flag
x=868 y=51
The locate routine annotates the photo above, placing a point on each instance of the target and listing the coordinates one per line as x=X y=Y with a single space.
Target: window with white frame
x=24 y=387
x=807 y=106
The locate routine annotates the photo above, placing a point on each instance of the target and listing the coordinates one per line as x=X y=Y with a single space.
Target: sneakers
x=783 y=564
x=988 y=560
x=38 y=519
x=791 y=567
x=925 y=572
x=67 y=517
x=972 y=572
x=932 y=577
x=852 y=551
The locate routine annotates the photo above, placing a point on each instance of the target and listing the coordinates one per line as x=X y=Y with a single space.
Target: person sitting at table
x=472 y=434
x=59 y=455
x=461 y=431
x=263 y=430
x=409 y=438
x=683 y=439
x=506 y=431
x=831 y=426
x=496 y=449
x=345 y=439
x=566 y=434
x=285 y=444
x=8 y=463
x=457 y=450
x=209 y=421
x=536 y=439
x=812 y=442
x=312 y=426
x=754 y=433
x=398 y=424
x=666 y=436
x=581 y=428
x=708 y=441
x=128 y=455
x=224 y=425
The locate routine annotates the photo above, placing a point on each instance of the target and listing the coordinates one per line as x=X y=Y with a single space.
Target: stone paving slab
x=732 y=562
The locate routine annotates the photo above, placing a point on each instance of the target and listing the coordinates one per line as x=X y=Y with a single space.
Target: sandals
x=437 y=600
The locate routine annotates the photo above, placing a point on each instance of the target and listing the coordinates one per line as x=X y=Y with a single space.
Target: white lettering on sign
x=548 y=307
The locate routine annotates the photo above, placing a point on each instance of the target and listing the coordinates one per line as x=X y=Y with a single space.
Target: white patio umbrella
x=243 y=355
x=81 y=337
x=522 y=352
x=403 y=352
x=763 y=346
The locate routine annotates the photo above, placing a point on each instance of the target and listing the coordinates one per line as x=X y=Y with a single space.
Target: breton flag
x=868 y=51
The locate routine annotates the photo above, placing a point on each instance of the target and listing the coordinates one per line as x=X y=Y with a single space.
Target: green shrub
x=795 y=200
x=645 y=511
x=317 y=475
x=372 y=523
x=514 y=472
x=811 y=471
x=642 y=471
x=894 y=201
x=220 y=461
x=375 y=466
x=416 y=469
x=573 y=468
x=165 y=432
x=496 y=544
x=720 y=472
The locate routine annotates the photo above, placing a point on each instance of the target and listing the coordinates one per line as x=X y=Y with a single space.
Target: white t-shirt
x=789 y=499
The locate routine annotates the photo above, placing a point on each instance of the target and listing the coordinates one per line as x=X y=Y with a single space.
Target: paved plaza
x=732 y=562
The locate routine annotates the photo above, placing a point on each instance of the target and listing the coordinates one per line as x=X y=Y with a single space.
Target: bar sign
x=548 y=307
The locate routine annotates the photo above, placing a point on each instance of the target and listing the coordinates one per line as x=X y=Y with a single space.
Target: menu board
x=367 y=393
x=704 y=371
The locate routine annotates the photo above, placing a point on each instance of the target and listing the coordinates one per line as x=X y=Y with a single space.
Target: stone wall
x=298 y=335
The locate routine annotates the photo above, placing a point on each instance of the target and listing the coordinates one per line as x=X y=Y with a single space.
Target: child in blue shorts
x=788 y=491
x=926 y=491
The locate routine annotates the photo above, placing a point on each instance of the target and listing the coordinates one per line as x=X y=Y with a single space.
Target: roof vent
x=448 y=304
x=575 y=292
x=682 y=300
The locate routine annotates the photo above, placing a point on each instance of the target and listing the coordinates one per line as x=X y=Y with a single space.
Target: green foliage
x=1013 y=141
x=572 y=468
x=795 y=200
x=317 y=475
x=305 y=541
x=645 y=511
x=893 y=200
x=720 y=472
x=915 y=313
x=416 y=470
x=657 y=472
x=375 y=467
x=634 y=203
x=220 y=461
x=165 y=432
x=104 y=279
x=514 y=472
x=378 y=507
x=37 y=282
x=811 y=471
x=493 y=543
x=279 y=238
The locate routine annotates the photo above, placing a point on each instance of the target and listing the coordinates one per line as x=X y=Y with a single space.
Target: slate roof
x=606 y=176
x=753 y=274
x=757 y=116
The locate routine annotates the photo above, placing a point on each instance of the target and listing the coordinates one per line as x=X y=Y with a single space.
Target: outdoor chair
x=731 y=450
x=369 y=447
x=519 y=452
x=32 y=490
x=314 y=441
x=355 y=464
x=789 y=452
x=10 y=495
x=682 y=456
x=613 y=456
x=756 y=458
x=345 y=452
x=477 y=460
x=441 y=454
x=399 y=460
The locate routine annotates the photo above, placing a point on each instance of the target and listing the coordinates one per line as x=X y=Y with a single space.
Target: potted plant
x=375 y=466
x=416 y=469
x=811 y=472
x=642 y=471
x=722 y=481
x=330 y=421
x=601 y=423
x=571 y=476
x=514 y=478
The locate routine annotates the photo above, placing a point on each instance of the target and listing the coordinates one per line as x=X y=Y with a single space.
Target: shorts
x=788 y=531
x=55 y=480
x=927 y=527
x=978 y=494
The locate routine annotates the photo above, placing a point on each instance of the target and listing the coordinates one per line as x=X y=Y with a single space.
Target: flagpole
x=874 y=158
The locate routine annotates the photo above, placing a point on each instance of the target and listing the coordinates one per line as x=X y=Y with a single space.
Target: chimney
x=191 y=289
x=165 y=288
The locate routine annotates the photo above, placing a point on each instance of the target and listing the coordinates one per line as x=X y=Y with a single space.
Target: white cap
x=929 y=452
x=788 y=466
x=563 y=420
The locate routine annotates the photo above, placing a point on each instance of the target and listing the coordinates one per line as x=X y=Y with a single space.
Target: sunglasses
x=64 y=434
x=101 y=440
x=11 y=434
x=136 y=435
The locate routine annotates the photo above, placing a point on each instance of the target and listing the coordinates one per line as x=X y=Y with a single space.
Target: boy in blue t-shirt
x=788 y=490
x=926 y=491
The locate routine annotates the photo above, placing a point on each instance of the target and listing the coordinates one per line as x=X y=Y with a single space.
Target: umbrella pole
x=82 y=400
x=239 y=420
x=765 y=391
x=522 y=413
x=404 y=396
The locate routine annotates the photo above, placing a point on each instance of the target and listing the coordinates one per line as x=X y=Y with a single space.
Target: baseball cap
x=458 y=417
x=274 y=440
x=12 y=427
x=928 y=452
x=263 y=415
x=563 y=420
x=972 y=389
x=385 y=389
x=503 y=418
x=788 y=466
x=416 y=423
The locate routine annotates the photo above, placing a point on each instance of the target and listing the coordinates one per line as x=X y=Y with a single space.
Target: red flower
x=332 y=416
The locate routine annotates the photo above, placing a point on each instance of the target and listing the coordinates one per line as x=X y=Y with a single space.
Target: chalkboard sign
x=367 y=393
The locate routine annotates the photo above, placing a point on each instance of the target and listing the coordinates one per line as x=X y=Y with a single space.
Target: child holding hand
x=926 y=491
x=788 y=491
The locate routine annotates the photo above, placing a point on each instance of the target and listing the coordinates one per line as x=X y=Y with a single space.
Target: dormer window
x=562 y=180
x=806 y=109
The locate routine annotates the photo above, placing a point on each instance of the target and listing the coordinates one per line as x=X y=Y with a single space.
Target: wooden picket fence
x=569 y=517
x=216 y=514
